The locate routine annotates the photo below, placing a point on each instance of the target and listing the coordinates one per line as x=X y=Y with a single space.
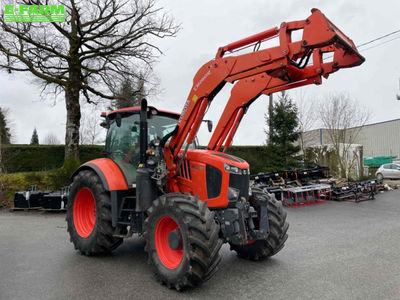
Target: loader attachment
x=320 y=32
x=321 y=50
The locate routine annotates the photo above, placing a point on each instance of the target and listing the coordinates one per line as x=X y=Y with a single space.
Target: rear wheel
x=278 y=227
x=89 y=216
x=182 y=240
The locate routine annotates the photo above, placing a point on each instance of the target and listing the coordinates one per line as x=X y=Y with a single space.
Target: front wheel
x=89 y=215
x=379 y=177
x=182 y=240
x=278 y=227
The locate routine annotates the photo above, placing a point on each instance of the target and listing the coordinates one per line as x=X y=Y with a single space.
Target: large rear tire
x=182 y=240
x=89 y=216
x=278 y=227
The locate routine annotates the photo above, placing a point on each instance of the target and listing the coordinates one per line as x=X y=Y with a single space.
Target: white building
x=377 y=139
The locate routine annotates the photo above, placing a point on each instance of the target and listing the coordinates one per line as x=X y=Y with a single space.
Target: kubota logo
x=34 y=13
x=201 y=80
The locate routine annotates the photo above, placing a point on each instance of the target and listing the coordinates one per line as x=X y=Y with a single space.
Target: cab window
x=122 y=143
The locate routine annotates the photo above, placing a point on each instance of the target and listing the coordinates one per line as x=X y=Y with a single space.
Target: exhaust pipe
x=143 y=132
x=146 y=189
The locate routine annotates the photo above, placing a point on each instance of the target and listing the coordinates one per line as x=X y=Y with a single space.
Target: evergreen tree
x=130 y=94
x=283 y=134
x=5 y=135
x=35 y=137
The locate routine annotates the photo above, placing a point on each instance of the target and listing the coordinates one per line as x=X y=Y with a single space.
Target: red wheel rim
x=169 y=257
x=84 y=212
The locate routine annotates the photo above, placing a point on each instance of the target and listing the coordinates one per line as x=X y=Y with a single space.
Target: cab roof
x=137 y=108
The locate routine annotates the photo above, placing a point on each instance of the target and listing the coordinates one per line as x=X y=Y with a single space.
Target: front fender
x=108 y=171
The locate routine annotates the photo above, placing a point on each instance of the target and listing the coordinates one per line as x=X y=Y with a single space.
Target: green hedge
x=27 y=158
x=259 y=157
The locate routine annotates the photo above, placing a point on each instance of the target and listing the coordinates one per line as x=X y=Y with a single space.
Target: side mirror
x=209 y=125
x=118 y=120
x=104 y=124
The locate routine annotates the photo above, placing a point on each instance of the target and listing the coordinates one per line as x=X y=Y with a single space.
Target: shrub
x=62 y=176
x=11 y=183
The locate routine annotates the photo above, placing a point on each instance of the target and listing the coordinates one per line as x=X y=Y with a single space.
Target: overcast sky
x=206 y=25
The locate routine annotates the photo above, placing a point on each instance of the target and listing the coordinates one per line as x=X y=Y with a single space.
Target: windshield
x=123 y=138
x=160 y=126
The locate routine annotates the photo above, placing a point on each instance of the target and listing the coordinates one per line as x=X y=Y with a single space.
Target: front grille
x=214 y=181
x=240 y=182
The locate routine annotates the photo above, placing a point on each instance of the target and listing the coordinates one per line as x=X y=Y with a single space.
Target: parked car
x=388 y=171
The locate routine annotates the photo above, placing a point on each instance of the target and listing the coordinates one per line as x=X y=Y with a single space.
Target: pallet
x=55 y=210
x=305 y=203
x=24 y=208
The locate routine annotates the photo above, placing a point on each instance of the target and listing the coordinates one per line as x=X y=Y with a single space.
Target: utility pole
x=398 y=94
x=1 y=154
x=270 y=108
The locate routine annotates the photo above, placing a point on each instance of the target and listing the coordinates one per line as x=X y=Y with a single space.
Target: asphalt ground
x=335 y=250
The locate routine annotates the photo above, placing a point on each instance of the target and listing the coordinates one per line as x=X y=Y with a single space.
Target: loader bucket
x=329 y=38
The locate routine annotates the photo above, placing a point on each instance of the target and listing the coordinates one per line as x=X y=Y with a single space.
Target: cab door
x=395 y=171
x=122 y=145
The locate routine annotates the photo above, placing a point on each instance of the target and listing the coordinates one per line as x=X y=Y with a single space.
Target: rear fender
x=108 y=171
x=113 y=181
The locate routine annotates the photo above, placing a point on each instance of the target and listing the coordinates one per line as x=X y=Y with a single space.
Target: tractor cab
x=123 y=136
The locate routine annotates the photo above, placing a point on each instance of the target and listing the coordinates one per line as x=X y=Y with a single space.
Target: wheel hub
x=175 y=239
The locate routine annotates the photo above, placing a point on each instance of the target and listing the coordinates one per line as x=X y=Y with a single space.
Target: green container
x=377 y=161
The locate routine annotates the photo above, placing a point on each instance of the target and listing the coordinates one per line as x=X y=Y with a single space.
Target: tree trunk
x=73 y=123
x=72 y=94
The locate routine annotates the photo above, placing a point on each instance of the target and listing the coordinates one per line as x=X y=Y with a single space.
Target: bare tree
x=131 y=94
x=101 y=44
x=90 y=131
x=307 y=118
x=51 y=139
x=343 y=118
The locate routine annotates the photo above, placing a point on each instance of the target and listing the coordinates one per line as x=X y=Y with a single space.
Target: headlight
x=235 y=170
x=233 y=194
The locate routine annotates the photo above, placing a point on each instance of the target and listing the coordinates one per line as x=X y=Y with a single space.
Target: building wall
x=379 y=139
x=316 y=137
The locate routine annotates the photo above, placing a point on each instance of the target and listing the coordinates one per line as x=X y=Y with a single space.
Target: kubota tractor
x=184 y=201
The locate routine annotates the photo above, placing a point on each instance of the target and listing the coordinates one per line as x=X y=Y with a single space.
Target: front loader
x=184 y=201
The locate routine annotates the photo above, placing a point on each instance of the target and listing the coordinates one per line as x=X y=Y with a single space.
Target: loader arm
x=290 y=64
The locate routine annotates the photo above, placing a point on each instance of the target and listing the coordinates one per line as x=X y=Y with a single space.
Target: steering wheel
x=155 y=142
x=118 y=153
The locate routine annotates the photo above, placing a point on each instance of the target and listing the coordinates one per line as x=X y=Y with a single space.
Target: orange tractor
x=187 y=202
